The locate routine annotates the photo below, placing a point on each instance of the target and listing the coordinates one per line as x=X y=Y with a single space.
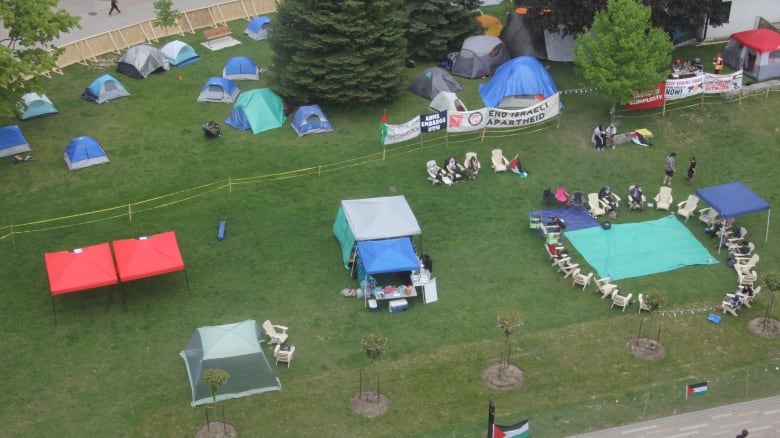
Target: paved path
x=760 y=417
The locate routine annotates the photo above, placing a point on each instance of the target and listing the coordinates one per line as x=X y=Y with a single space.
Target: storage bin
x=372 y=305
x=398 y=305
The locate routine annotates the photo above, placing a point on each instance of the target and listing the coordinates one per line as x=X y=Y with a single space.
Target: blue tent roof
x=103 y=89
x=226 y=84
x=734 y=199
x=521 y=76
x=310 y=119
x=389 y=255
x=257 y=23
x=12 y=141
x=241 y=67
x=35 y=105
x=83 y=152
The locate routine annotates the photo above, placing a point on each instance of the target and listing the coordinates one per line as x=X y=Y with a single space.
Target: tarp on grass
x=641 y=248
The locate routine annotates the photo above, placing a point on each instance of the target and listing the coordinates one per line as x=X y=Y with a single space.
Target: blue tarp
x=521 y=76
x=576 y=218
x=389 y=255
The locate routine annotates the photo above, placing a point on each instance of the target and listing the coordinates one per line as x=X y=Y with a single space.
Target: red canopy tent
x=80 y=269
x=148 y=256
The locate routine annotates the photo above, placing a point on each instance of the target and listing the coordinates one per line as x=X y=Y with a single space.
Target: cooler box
x=372 y=306
x=398 y=305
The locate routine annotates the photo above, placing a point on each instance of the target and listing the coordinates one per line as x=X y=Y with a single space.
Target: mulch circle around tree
x=368 y=404
x=647 y=349
x=756 y=325
x=216 y=429
x=510 y=377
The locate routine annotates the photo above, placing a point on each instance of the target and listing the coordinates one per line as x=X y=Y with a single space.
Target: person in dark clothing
x=691 y=171
x=114 y=7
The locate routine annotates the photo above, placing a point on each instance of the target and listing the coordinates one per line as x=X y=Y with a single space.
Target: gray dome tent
x=142 y=60
x=432 y=81
x=479 y=56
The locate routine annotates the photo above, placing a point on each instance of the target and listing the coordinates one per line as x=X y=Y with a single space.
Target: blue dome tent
x=258 y=28
x=12 y=141
x=519 y=83
x=83 y=152
x=219 y=90
x=241 y=67
x=310 y=119
x=103 y=89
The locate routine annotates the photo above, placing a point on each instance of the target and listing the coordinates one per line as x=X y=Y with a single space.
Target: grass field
x=104 y=372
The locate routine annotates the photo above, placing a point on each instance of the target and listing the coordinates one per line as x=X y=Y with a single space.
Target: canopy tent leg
x=53 y=309
x=766 y=236
x=187 y=281
x=122 y=297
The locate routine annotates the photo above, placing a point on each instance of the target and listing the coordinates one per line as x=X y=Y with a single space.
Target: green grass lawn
x=104 y=372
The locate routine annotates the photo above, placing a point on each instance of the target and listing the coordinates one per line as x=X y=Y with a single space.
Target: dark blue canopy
x=734 y=199
x=388 y=255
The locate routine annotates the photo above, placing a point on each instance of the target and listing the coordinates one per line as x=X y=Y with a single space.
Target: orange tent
x=490 y=24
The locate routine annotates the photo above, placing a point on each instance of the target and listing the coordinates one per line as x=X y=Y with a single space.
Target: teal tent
x=259 y=110
x=35 y=105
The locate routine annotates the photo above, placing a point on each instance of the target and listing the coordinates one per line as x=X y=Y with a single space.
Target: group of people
x=688 y=66
x=738 y=298
x=453 y=172
x=604 y=136
x=669 y=169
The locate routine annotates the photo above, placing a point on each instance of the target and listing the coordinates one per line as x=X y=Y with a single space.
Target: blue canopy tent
x=386 y=256
x=734 y=199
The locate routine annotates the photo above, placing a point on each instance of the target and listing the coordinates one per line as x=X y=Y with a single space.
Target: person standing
x=669 y=169
x=718 y=63
x=691 y=170
x=114 y=7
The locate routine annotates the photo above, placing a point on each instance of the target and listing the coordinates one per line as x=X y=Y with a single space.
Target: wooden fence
x=114 y=41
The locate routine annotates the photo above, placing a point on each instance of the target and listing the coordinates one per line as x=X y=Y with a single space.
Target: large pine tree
x=342 y=52
x=437 y=27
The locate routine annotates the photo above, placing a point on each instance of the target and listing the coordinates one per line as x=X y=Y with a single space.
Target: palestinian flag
x=383 y=128
x=518 y=430
x=695 y=389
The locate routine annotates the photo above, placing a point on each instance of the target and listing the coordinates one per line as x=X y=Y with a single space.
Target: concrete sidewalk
x=760 y=417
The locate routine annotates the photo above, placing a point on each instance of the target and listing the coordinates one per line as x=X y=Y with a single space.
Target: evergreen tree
x=27 y=51
x=338 y=53
x=437 y=27
x=624 y=51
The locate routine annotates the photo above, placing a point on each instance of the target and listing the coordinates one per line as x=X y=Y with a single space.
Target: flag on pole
x=695 y=389
x=383 y=128
x=495 y=431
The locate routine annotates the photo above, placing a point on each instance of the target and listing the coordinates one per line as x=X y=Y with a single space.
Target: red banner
x=648 y=97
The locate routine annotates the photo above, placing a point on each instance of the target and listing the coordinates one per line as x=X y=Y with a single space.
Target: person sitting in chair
x=472 y=167
x=451 y=164
x=606 y=196
x=635 y=196
x=557 y=224
x=610 y=133
x=436 y=171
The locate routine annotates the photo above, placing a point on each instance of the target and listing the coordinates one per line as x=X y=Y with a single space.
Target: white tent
x=448 y=101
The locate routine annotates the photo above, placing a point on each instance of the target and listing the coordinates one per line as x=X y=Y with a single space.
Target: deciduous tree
x=339 y=52
x=623 y=52
x=27 y=50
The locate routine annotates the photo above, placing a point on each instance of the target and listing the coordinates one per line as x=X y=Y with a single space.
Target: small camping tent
x=756 y=52
x=433 y=80
x=519 y=39
x=310 y=119
x=142 y=60
x=35 y=105
x=218 y=90
x=241 y=67
x=479 y=56
x=258 y=28
x=83 y=152
x=103 y=89
x=234 y=348
x=490 y=24
x=179 y=53
x=447 y=101
x=259 y=110
x=12 y=141
x=519 y=83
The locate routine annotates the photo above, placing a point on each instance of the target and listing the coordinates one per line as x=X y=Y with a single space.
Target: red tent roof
x=80 y=269
x=147 y=256
x=760 y=40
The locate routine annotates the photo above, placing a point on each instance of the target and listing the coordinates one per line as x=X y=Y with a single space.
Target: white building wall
x=744 y=16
